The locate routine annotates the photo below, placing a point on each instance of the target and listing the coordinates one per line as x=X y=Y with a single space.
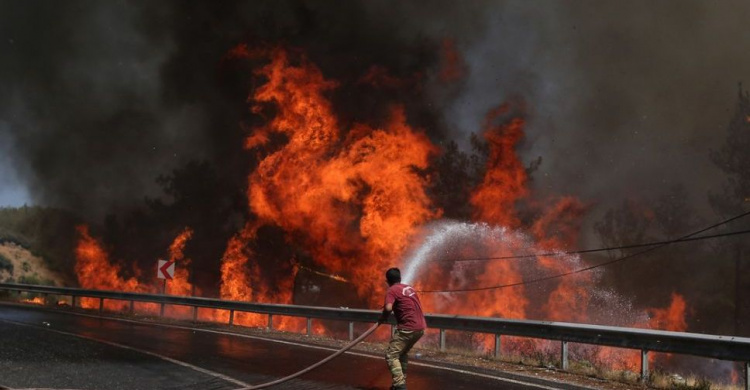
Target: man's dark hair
x=393 y=276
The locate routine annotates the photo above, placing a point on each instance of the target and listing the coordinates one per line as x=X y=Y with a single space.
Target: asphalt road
x=57 y=350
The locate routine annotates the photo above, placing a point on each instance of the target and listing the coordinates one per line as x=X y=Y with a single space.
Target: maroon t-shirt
x=406 y=307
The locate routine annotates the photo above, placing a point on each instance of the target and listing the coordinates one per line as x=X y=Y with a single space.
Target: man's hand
x=386 y=313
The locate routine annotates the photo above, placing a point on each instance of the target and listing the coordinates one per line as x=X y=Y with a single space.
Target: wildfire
x=354 y=199
x=504 y=183
x=670 y=318
x=95 y=271
x=34 y=301
x=180 y=284
x=321 y=186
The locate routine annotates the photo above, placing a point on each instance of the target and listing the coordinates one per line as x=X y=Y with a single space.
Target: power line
x=608 y=249
x=580 y=270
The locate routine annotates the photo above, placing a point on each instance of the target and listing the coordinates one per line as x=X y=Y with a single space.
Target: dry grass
x=25 y=267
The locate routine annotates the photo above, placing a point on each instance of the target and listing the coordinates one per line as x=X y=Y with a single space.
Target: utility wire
x=608 y=249
x=580 y=270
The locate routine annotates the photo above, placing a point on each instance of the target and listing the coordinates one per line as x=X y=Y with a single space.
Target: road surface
x=52 y=349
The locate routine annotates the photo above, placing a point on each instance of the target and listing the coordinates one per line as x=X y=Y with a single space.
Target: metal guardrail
x=645 y=340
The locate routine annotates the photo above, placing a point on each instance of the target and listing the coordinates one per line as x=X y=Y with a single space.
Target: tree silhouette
x=733 y=158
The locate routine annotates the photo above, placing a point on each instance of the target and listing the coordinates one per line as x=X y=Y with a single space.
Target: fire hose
x=316 y=365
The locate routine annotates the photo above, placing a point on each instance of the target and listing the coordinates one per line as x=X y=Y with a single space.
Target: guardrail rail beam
x=720 y=347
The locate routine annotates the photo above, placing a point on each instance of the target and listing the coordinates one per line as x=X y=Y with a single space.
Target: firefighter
x=403 y=301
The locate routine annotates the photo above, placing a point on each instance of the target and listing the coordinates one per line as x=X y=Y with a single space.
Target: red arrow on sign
x=165 y=269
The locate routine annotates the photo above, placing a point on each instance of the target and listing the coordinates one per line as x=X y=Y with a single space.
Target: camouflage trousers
x=396 y=355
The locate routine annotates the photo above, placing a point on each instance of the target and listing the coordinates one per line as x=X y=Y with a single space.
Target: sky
x=13 y=192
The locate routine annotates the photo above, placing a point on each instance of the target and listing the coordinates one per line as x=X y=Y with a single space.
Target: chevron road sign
x=165 y=269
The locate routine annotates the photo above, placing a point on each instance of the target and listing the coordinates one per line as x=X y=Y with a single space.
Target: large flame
x=95 y=271
x=353 y=202
x=180 y=283
x=505 y=182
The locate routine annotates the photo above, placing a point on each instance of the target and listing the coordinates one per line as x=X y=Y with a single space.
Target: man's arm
x=387 y=309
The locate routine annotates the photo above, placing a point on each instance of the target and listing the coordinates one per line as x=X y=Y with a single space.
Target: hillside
x=19 y=265
x=37 y=242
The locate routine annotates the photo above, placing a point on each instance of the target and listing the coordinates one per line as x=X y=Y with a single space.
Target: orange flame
x=558 y=229
x=504 y=183
x=672 y=318
x=354 y=201
x=669 y=318
x=95 y=271
x=236 y=278
x=34 y=301
x=180 y=284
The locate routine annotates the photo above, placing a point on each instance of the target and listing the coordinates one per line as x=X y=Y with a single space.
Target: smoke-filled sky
x=625 y=98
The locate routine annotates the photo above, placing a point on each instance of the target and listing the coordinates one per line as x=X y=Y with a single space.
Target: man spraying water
x=403 y=301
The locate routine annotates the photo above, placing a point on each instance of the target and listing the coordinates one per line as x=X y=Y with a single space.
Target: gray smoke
x=624 y=98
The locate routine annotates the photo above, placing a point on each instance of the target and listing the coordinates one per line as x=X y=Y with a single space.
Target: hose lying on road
x=316 y=365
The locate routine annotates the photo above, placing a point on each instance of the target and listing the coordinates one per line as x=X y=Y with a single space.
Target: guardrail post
x=644 y=365
x=564 y=355
x=747 y=375
x=497 y=346
x=309 y=326
x=231 y=318
x=195 y=313
x=442 y=340
x=132 y=307
x=73 y=301
x=44 y=298
x=351 y=331
x=270 y=323
x=101 y=305
x=161 y=309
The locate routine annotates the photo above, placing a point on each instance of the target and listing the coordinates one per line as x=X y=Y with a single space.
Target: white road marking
x=166 y=358
x=411 y=362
